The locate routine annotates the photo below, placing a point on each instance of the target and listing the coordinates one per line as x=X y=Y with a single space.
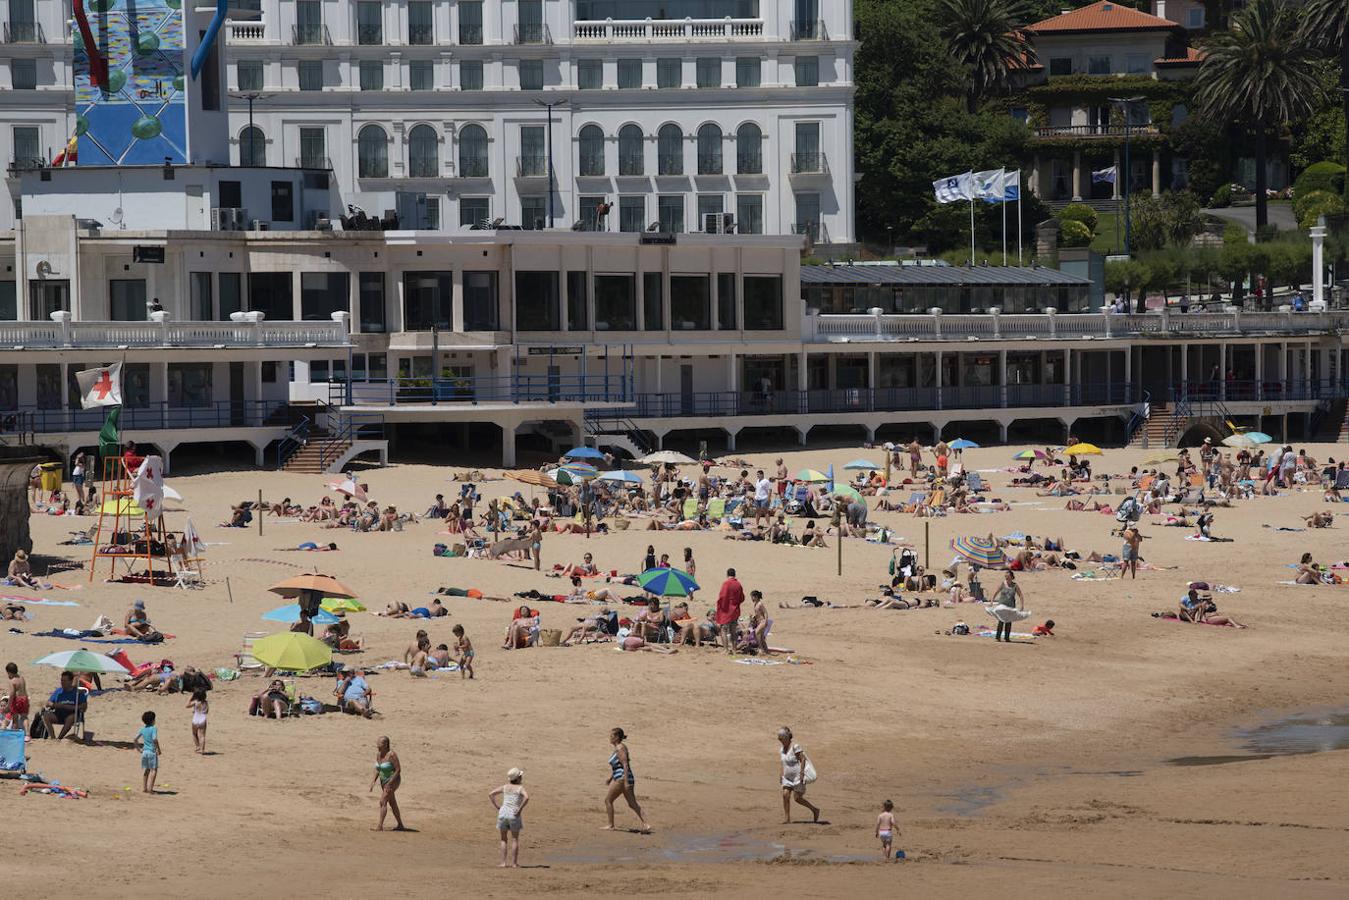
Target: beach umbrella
x=621 y=475
x=574 y=473
x=1168 y=456
x=82 y=661
x=811 y=475
x=291 y=614
x=532 y=478
x=292 y=651
x=667 y=582
x=193 y=545
x=962 y=444
x=1259 y=437
x=122 y=506
x=668 y=457
x=1082 y=450
x=583 y=453
x=1031 y=454
x=348 y=488
x=980 y=551
x=849 y=493
x=1239 y=441
x=341 y=604
x=862 y=465
x=326 y=585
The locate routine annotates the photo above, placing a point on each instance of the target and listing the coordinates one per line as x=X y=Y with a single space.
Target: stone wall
x=15 y=464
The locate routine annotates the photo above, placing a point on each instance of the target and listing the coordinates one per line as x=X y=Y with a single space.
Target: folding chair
x=244 y=659
x=189 y=577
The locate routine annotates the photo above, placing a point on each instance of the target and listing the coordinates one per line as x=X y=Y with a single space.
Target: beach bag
x=550 y=637
x=440 y=550
x=808 y=774
x=310 y=707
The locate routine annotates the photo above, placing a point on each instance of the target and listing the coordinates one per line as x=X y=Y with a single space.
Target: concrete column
x=1259 y=371
x=1318 y=233
x=508 y=443
x=659 y=366
x=871 y=370
x=1067 y=377
x=159 y=382
x=1077 y=174
x=730 y=437
x=801 y=434
x=258 y=456
x=1034 y=182
x=1307 y=364
x=1222 y=370
x=1129 y=372
x=1002 y=377
x=457 y=301
x=1283 y=361
x=802 y=379
x=1184 y=363
x=1114 y=188
x=938 y=379
x=1156 y=173
x=732 y=382
x=1002 y=432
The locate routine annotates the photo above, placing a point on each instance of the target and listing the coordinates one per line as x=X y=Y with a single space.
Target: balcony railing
x=670 y=164
x=421 y=35
x=470 y=35
x=749 y=164
x=809 y=30
x=1293 y=389
x=310 y=34
x=630 y=31
x=810 y=164
x=598 y=388
x=111 y=335
x=367 y=35
x=24 y=33
x=592 y=165
x=534 y=33
x=531 y=166
x=158 y=417
x=308 y=161
x=247 y=32
x=27 y=164
x=709 y=163
x=1101 y=131
x=472 y=168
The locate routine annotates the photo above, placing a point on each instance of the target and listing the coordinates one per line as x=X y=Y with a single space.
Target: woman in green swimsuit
x=389 y=774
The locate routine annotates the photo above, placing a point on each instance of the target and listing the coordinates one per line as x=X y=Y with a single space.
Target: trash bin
x=51 y=476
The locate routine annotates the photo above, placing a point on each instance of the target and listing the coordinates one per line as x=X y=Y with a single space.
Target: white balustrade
x=640 y=30
x=169 y=333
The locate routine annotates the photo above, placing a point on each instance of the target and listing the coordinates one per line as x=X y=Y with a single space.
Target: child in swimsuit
x=464 y=647
x=198 y=706
x=148 y=738
x=886 y=828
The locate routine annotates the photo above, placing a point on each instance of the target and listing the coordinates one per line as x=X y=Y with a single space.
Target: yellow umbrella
x=121 y=506
x=1160 y=458
x=811 y=475
x=292 y=651
x=1082 y=450
x=342 y=604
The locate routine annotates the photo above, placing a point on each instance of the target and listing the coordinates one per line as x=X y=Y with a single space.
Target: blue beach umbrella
x=1259 y=437
x=862 y=465
x=667 y=582
x=291 y=614
x=622 y=475
x=962 y=444
x=583 y=453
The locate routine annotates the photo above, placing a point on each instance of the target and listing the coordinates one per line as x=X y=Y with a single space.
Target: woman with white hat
x=514 y=798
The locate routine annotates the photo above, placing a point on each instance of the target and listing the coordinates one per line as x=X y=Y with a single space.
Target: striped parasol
x=574 y=473
x=532 y=478
x=667 y=582
x=1031 y=454
x=980 y=551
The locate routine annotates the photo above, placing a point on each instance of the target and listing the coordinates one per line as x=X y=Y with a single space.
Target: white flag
x=988 y=185
x=1011 y=186
x=955 y=188
x=148 y=486
x=100 y=387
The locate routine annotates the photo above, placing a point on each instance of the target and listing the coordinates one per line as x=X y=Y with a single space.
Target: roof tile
x=1105 y=15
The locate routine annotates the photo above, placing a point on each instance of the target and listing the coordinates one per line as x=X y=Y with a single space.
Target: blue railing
x=156 y=416
x=597 y=388
x=1251 y=390
x=292 y=442
x=352 y=427
x=1138 y=419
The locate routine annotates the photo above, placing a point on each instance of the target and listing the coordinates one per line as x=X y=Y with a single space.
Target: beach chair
x=976 y=482
x=188 y=577
x=244 y=659
x=716 y=509
x=691 y=508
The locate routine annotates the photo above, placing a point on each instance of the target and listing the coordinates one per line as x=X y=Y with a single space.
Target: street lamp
x=250 y=96
x=548 y=105
x=1126 y=103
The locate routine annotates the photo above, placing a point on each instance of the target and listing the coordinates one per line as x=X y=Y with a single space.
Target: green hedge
x=1080 y=212
x=1073 y=233
x=1322 y=176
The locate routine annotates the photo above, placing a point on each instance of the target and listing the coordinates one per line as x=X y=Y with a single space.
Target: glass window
x=576 y=301
x=231 y=294
x=749 y=213
x=807 y=71
x=632 y=213
x=536 y=301
x=1060 y=65
x=28 y=147
x=533 y=150
x=470 y=75
x=191 y=384
x=199 y=284
x=749 y=149
x=591 y=147
x=763 y=302
x=653 y=305
x=48 y=386
x=630 y=150
x=372 y=75
x=422 y=75
x=709 y=205
x=372 y=153
x=531 y=74
x=252 y=147
x=9 y=301
x=530 y=30
x=1138 y=63
x=709 y=72
x=271 y=293
x=472 y=152
x=369 y=23
x=371 y=306
x=670 y=150
x=423 y=152
x=690 y=303
x=808 y=215
x=615 y=302
x=1194 y=17
x=709 y=149
x=126 y=300
x=428 y=300
x=671 y=212
x=313 y=148
x=807 y=157
x=588 y=213
x=669 y=73
x=23 y=73
x=1098 y=65
x=726 y=301
x=248 y=74
x=480 y=301
x=748 y=71
x=470 y=21
x=46 y=296
x=474 y=211
x=421 y=28
x=135 y=386
x=590 y=74
x=630 y=74
x=322 y=294
x=533 y=213
x=311 y=74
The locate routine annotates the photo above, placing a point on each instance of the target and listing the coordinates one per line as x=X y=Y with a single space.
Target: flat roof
x=938 y=275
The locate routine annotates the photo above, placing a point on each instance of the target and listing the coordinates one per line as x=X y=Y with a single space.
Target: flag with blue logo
x=954 y=188
x=1104 y=176
x=988 y=185
x=1011 y=186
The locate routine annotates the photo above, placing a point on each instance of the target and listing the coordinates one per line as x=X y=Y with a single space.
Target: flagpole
x=1002 y=187
x=1018 y=220
x=971 y=231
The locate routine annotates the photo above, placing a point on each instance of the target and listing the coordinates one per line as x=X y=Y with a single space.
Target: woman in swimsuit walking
x=389 y=774
x=621 y=781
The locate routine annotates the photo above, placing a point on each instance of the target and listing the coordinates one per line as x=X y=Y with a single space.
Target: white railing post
x=255 y=318
x=343 y=320
x=1053 y=320
x=936 y=313
x=162 y=318
x=996 y=313
x=62 y=318
x=877 y=321
x=1166 y=319
x=1106 y=312
x=1318 y=234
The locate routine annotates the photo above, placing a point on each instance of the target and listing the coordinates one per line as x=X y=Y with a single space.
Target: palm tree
x=1259 y=74
x=987 y=37
x=1323 y=24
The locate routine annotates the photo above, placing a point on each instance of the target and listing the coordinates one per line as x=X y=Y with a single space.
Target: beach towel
x=89 y=637
x=755 y=661
x=38 y=601
x=1006 y=614
x=11 y=750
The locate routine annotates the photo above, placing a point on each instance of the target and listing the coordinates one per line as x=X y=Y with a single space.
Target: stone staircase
x=1162 y=422
x=1333 y=427
x=309 y=458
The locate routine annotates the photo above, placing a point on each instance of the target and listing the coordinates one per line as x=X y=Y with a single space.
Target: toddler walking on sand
x=199 y=707
x=464 y=647
x=148 y=739
x=886 y=828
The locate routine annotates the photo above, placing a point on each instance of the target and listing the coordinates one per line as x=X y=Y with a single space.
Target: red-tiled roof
x=1192 y=57
x=1102 y=16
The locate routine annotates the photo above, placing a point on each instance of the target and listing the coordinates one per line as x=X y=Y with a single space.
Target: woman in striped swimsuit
x=621 y=781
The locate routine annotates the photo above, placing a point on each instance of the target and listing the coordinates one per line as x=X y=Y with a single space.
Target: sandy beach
x=1037 y=768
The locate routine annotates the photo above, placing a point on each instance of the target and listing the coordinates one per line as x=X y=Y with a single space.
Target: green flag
x=109 y=439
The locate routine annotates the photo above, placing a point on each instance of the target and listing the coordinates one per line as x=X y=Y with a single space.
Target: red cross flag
x=100 y=387
x=148 y=486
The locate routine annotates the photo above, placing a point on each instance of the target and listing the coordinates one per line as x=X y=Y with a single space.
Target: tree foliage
x=986 y=37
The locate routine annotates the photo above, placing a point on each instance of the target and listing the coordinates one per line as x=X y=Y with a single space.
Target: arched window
x=472 y=152
x=423 y=152
x=670 y=150
x=749 y=149
x=630 y=150
x=592 y=150
x=372 y=153
x=252 y=147
x=709 y=150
